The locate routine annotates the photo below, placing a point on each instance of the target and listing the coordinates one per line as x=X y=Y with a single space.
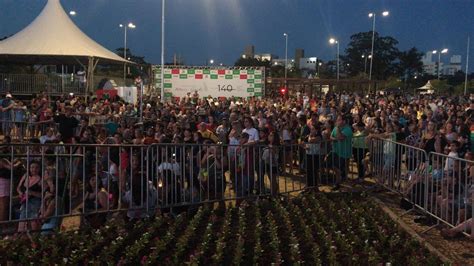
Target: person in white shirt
x=453 y=153
x=249 y=129
x=49 y=136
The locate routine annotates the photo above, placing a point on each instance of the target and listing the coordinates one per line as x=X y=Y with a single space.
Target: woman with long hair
x=29 y=190
x=270 y=158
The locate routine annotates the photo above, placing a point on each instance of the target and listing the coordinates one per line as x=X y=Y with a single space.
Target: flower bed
x=314 y=229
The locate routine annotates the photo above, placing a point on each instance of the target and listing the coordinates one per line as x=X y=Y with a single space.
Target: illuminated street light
x=286 y=56
x=443 y=51
x=334 y=41
x=72 y=13
x=131 y=26
x=373 y=15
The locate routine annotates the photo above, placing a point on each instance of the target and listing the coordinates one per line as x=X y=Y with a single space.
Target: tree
x=385 y=55
x=410 y=65
x=128 y=54
x=251 y=62
x=457 y=78
x=328 y=70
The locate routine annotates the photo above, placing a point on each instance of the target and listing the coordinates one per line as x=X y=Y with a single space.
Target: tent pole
x=90 y=78
x=62 y=78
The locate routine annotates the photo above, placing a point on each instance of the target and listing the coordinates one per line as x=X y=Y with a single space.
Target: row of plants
x=312 y=228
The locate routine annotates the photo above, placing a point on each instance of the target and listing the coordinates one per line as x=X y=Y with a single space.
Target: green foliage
x=251 y=62
x=385 y=55
x=410 y=65
x=313 y=228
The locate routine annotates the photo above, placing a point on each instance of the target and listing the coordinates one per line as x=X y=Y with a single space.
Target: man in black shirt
x=67 y=125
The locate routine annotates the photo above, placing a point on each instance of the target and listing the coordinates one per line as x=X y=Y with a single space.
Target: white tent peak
x=427 y=86
x=53 y=33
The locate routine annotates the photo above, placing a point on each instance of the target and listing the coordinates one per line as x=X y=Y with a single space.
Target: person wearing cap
x=6 y=108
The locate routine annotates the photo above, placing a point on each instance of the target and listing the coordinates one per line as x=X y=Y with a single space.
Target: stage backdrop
x=217 y=82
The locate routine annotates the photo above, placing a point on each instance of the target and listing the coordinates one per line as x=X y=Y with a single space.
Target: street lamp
x=162 y=51
x=334 y=41
x=372 y=15
x=211 y=61
x=319 y=65
x=72 y=13
x=286 y=56
x=365 y=62
x=131 y=26
x=444 y=51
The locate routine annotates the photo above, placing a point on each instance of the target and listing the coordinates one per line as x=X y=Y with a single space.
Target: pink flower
x=143 y=260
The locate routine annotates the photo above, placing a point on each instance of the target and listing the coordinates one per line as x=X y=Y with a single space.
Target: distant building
x=430 y=65
x=249 y=52
x=263 y=57
x=453 y=66
x=308 y=63
x=299 y=53
x=281 y=62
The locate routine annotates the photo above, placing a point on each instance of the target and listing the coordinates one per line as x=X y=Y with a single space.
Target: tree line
x=399 y=68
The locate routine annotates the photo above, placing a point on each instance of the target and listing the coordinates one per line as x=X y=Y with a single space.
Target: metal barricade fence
x=450 y=191
x=22 y=131
x=191 y=173
x=186 y=174
x=397 y=166
x=89 y=179
x=41 y=183
x=437 y=184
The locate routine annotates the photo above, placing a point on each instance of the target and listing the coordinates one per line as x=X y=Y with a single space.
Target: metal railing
x=36 y=83
x=435 y=183
x=55 y=84
x=25 y=130
x=93 y=180
x=90 y=179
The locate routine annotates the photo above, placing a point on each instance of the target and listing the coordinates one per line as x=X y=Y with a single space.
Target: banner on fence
x=178 y=82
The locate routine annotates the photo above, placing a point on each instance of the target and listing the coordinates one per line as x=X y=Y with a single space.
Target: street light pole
x=125 y=26
x=124 y=55
x=467 y=64
x=443 y=51
x=372 y=49
x=337 y=43
x=334 y=41
x=286 y=57
x=439 y=65
x=365 y=63
x=372 y=15
x=162 y=50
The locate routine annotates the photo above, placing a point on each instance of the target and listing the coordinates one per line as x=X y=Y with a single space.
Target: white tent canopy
x=427 y=88
x=53 y=33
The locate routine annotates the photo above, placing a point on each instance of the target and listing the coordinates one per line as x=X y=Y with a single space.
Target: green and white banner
x=214 y=82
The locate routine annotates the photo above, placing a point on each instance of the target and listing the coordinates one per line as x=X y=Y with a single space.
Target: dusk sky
x=199 y=30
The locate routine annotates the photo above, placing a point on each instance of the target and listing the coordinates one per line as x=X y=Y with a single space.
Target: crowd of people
x=271 y=135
